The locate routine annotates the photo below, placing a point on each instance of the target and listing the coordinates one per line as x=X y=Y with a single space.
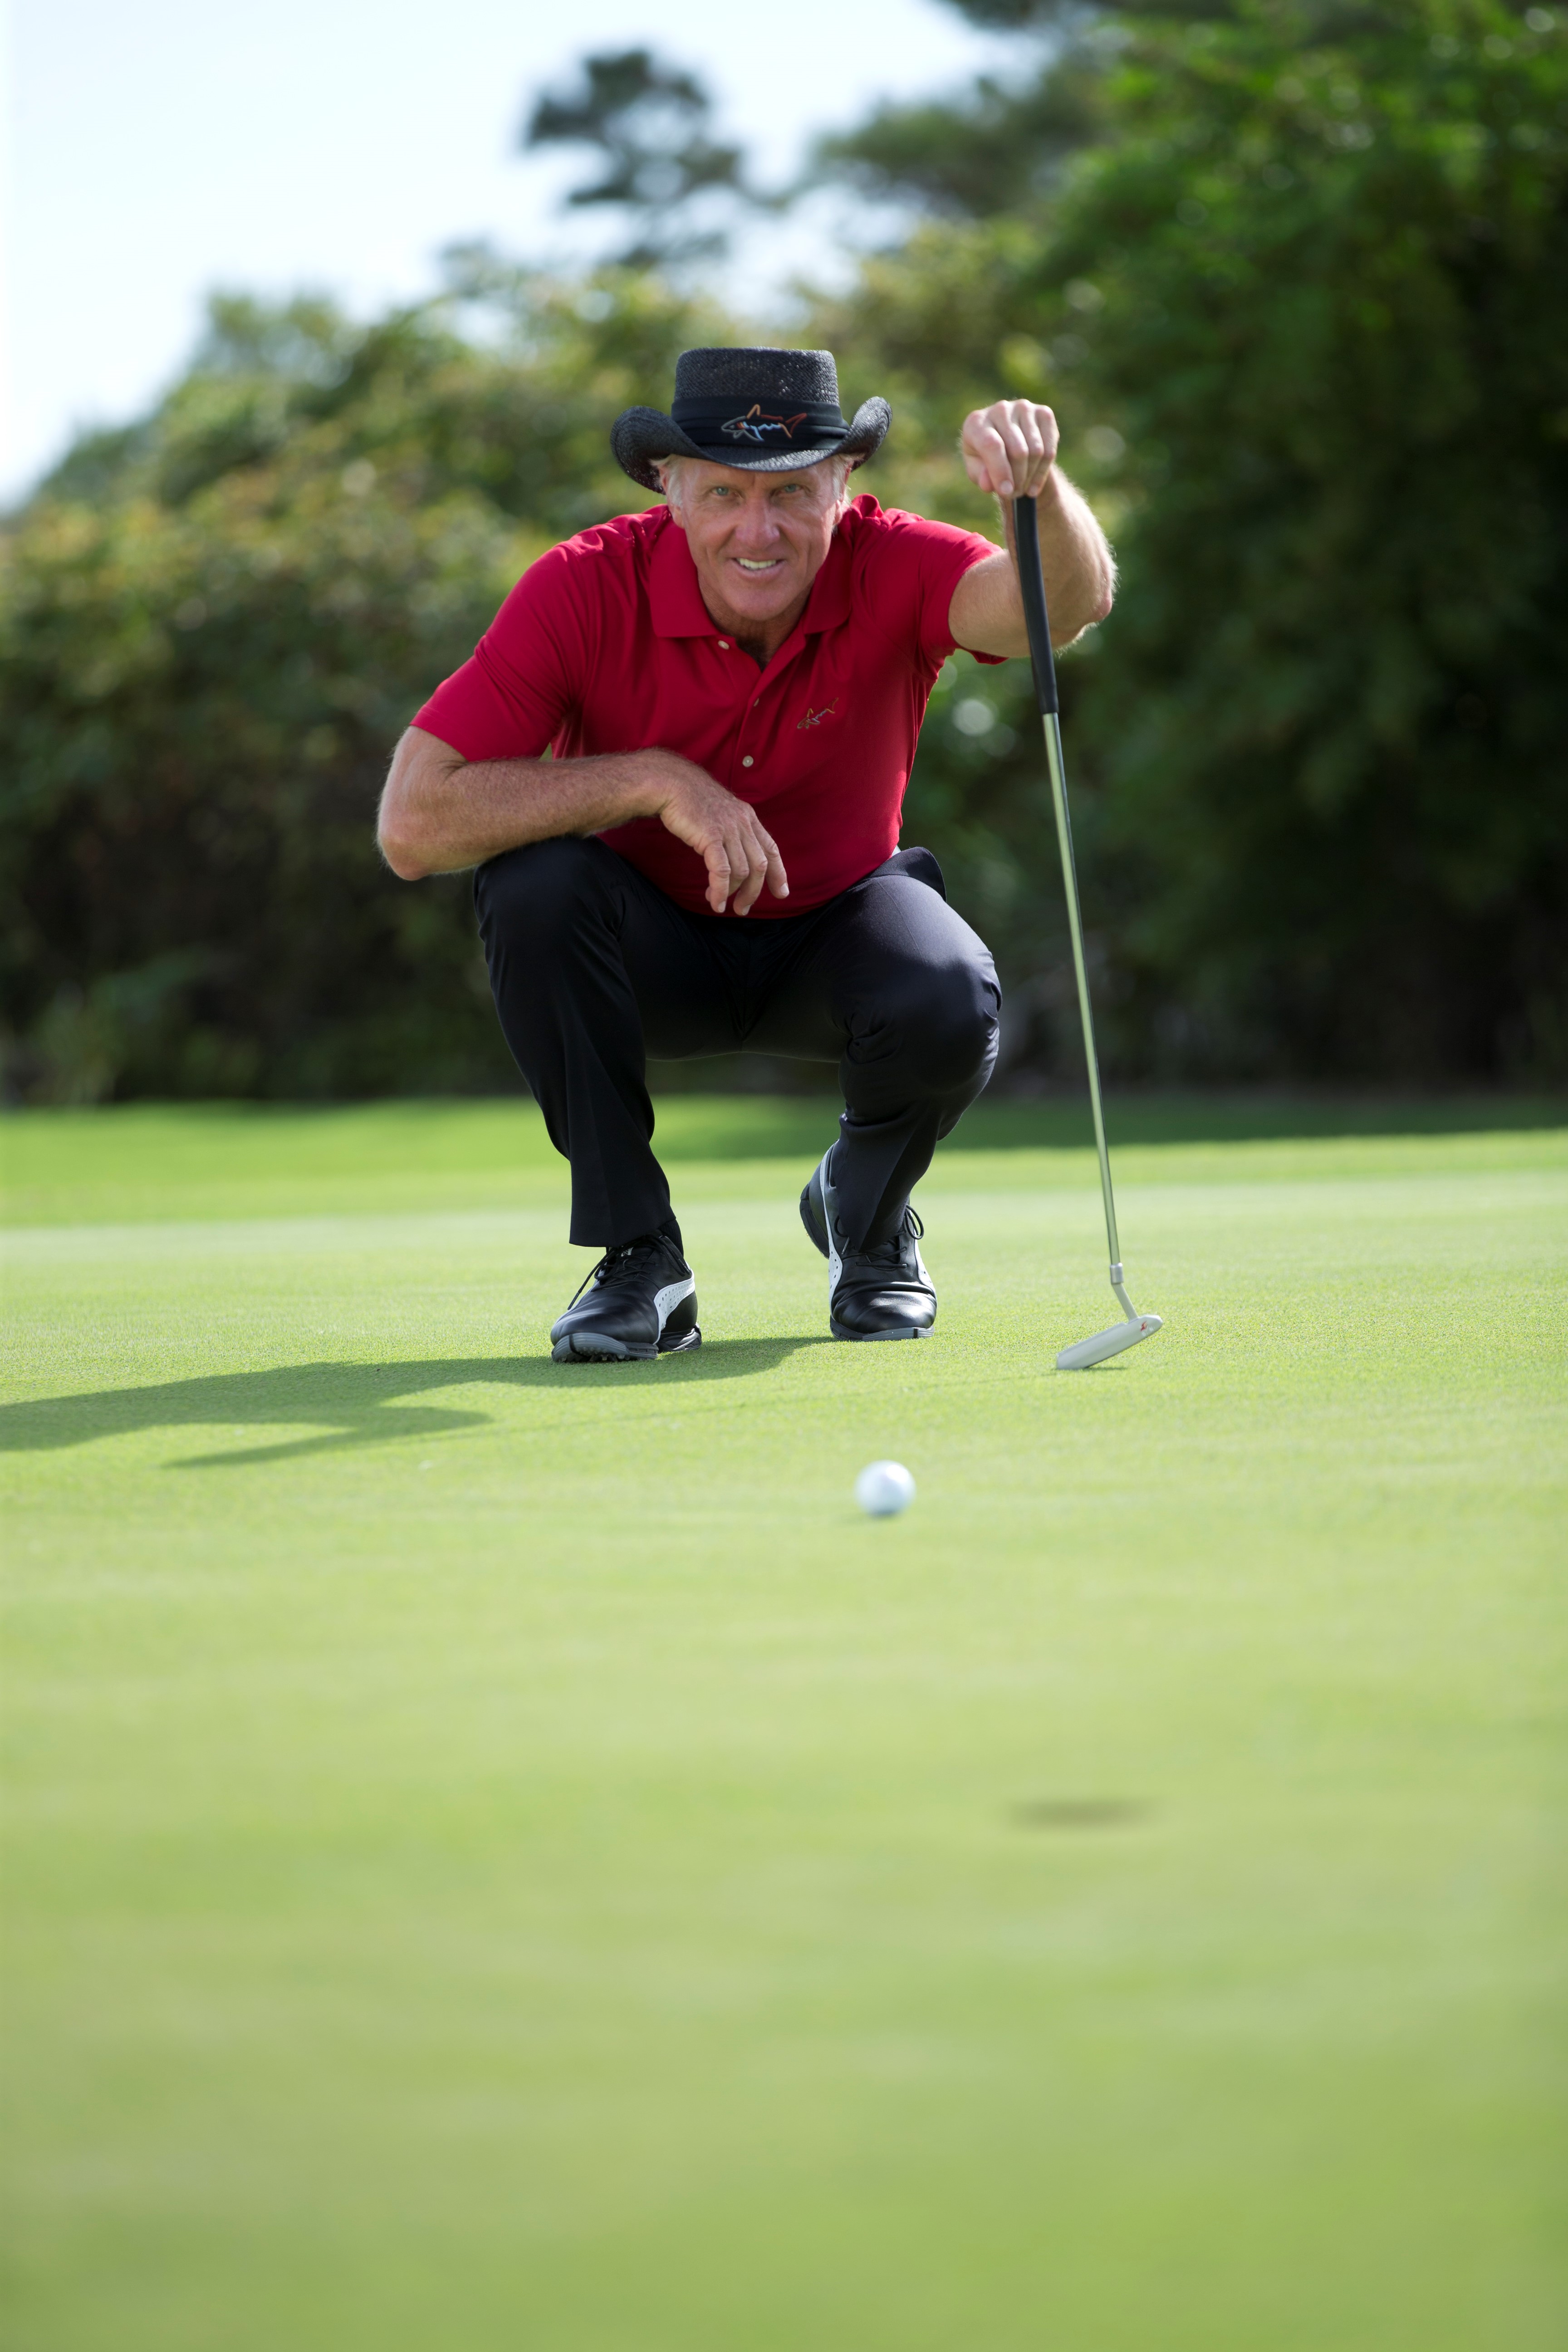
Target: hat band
x=773 y=424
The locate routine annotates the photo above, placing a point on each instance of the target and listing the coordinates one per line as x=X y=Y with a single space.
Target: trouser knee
x=950 y=1026
x=538 y=896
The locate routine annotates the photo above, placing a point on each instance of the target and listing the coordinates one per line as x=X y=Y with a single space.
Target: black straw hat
x=770 y=411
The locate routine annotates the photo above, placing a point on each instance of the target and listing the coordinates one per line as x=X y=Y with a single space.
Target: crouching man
x=730 y=686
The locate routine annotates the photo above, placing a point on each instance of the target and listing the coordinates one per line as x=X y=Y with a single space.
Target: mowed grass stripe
x=155 y=1164
x=498 y=1852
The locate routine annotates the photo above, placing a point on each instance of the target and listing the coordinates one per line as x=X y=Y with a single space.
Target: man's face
x=758 y=541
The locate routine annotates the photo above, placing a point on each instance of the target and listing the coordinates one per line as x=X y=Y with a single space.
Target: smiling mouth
x=771 y=563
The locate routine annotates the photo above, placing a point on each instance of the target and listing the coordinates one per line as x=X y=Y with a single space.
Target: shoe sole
x=573 y=1350
x=899 y=1331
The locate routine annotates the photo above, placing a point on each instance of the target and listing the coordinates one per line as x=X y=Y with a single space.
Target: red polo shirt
x=605 y=644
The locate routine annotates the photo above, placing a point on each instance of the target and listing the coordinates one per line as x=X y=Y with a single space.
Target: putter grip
x=1032 y=583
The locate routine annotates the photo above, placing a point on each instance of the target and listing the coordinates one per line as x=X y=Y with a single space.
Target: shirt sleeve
x=512 y=694
x=941 y=556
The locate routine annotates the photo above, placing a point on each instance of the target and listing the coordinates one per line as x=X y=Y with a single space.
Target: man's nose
x=758 y=526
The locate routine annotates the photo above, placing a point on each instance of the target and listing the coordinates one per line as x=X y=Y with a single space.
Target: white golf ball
x=884 y=1489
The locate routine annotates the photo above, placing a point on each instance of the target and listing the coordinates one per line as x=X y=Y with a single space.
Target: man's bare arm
x=1010 y=448
x=440 y=813
x=986 y=616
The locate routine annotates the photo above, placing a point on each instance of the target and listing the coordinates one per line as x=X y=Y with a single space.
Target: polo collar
x=675 y=600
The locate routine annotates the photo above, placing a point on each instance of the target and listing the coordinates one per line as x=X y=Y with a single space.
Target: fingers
x=741 y=854
x=717 y=859
x=730 y=868
x=1010 y=448
x=1043 y=450
x=985 y=455
x=778 y=880
x=767 y=867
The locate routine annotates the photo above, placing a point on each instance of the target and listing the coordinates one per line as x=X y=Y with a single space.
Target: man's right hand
x=440 y=813
x=741 y=853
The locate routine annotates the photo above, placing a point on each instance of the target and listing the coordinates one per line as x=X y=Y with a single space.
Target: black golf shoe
x=642 y=1303
x=880 y=1293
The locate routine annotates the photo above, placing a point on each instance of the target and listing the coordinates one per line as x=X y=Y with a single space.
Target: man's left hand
x=1009 y=448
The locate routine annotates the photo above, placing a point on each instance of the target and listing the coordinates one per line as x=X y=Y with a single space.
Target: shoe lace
x=893 y=1251
x=618 y=1265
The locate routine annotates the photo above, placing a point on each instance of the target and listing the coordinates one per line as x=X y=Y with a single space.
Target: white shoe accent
x=668 y=1299
x=834 y=1263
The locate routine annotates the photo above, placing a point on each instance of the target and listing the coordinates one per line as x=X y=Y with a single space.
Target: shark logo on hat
x=758 y=423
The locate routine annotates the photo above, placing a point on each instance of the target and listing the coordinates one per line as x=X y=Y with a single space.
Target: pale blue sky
x=158 y=148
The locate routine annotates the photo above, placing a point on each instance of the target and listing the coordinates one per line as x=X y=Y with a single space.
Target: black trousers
x=593 y=968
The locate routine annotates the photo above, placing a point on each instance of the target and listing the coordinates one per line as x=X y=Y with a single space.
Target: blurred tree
x=648 y=122
x=1299 y=308
x=1296 y=294
x=1331 y=245
x=213 y=629
x=997 y=150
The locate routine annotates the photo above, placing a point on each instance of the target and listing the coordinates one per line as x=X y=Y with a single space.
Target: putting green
x=505 y=1855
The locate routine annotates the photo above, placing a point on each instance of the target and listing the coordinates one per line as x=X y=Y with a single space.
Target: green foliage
x=212 y=629
x=647 y=122
x=996 y=151
x=1301 y=312
x=1330 y=716
x=1292 y=274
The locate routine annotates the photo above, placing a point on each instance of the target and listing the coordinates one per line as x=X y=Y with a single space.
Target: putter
x=1032 y=581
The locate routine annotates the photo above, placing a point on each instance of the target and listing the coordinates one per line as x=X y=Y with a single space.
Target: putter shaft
x=1052 y=723
x=1031 y=584
x=1042 y=660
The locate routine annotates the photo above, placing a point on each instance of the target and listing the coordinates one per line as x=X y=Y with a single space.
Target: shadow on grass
x=355 y=1405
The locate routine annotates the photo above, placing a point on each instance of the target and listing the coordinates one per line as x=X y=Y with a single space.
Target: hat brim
x=641 y=436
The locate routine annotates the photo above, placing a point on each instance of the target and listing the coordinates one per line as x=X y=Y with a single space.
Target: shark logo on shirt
x=816 y=718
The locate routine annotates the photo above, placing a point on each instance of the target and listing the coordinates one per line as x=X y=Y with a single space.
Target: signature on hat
x=757 y=424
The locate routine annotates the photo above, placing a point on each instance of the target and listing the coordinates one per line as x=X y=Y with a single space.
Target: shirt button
x=723 y=645
x=747 y=761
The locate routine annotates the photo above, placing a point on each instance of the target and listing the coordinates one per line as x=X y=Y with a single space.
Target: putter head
x=1083 y=1353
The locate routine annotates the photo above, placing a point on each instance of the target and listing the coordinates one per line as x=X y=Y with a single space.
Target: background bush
x=216 y=626
x=1298 y=302
x=1294 y=278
